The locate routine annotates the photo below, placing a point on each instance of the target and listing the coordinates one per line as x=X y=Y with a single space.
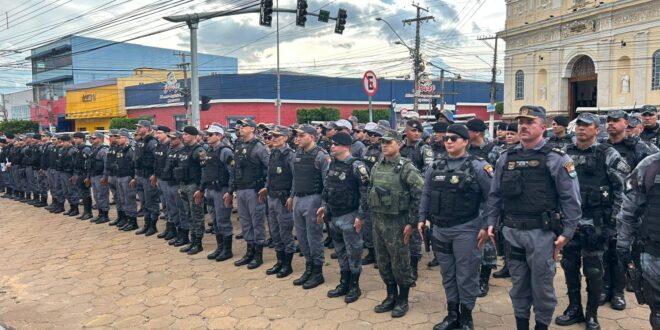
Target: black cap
x=78 y=135
x=617 y=114
x=501 y=126
x=191 y=130
x=531 y=111
x=175 y=135
x=280 y=130
x=163 y=128
x=561 y=120
x=588 y=118
x=37 y=136
x=10 y=136
x=342 y=139
x=634 y=121
x=476 y=125
x=440 y=127
x=247 y=122
x=309 y=129
x=512 y=127
x=459 y=130
x=649 y=109
x=415 y=124
x=65 y=137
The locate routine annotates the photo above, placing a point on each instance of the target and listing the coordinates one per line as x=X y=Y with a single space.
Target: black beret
x=79 y=135
x=512 y=127
x=440 y=127
x=10 y=136
x=65 y=137
x=342 y=139
x=416 y=124
x=501 y=126
x=163 y=128
x=561 y=120
x=476 y=125
x=459 y=130
x=191 y=130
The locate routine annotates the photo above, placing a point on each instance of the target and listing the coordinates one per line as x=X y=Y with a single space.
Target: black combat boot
x=305 y=275
x=388 y=304
x=503 y=273
x=103 y=217
x=147 y=224
x=59 y=208
x=342 y=287
x=74 y=211
x=172 y=234
x=466 y=318
x=618 y=301
x=354 y=291
x=258 y=258
x=591 y=313
x=190 y=245
x=153 y=228
x=370 y=258
x=413 y=264
x=278 y=265
x=315 y=279
x=401 y=305
x=52 y=205
x=484 y=276
x=249 y=255
x=87 y=209
x=522 y=324
x=573 y=313
x=433 y=263
x=540 y=326
x=218 y=250
x=226 y=252
x=168 y=229
x=43 y=202
x=131 y=224
x=286 y=268
x=117 y=220
x=28 y=198
x=452 y=320
x=183 y=238
x=197 y=246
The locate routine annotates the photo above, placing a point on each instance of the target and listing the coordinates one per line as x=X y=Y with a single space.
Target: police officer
x=512 y=137
x=532 y=184
x=325 y=142
x=641 y=198
x=95 y=171
x=601 y=172
x=357 y=148
x=156 y=179
x=278 y=190
x=42 y=178
x=455 y=187
x=346 y=205
x=9 y=180
x=251 y=166
x=437 y=144
x=56 y=157
x=124 y=166
x=393 y=197
x=188 y=173
x=560 y=137
x=371 y=157
x=635 y=126
x=175 y=215
x=309 y=172
x=110 y=174
x=500 y=134
x=81 y=157
x=28 y=165
x=71 y=193
x=650 y=123
x=217 y=178
x=144 y=169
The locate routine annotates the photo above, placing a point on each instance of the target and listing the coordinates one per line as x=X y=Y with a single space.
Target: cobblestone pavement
x=58 y=272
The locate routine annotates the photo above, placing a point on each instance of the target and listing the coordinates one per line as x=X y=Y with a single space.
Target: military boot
x=451 y=321
x=131 y=224
x=315 y=279
x=401 y=305
x=433 y=263
x=484 y=276
x=172 y=234
x=249 y=255
x=52 y=205
x=196 y=245
x=153 y=228
x=103 y=217
x=354 y=291
x=258 y=259
x=540 y=326
x=166 y=232
x=502 y=273
x=59 y=208
x=413 y=264
x=226 y=252
x=28 y=198
x=74 y=211
x=87 y=209
x=286 y=268
x=43 y=201
x=120 y=221
x=573 y=313
x=466 y=318
x=342 y=287
x=388 y=304
x=218 y=250
x=618 y=301
x=183 y=238
x=35 y=199
x=191 y=243
x=147 y=224
x=522 y=324
x=278 y=265
x=305 y=275
x=591 y=313
x=370 y=258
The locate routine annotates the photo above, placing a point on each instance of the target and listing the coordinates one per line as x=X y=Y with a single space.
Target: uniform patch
x=454 y=179
x=631 y=183
x=534 y=163
x=342 y=176
x=622 y=166
x=278 y=170
x=511 y=165
x=489 y=170
x=570 y=169
x=203 y=155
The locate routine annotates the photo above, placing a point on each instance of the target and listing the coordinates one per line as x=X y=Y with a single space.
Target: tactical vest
x=59 y=157
x=308 y=180
x=144 y=159
x=111 y=160
x=455 y=194
x=372 y=156
x=170 y=163
x=482 y=152
x=124 y=165
x=81 y=159
x=279 y=176
x=595 y=186
x=188 y=170
x=26 y=159
x=45 y=156
x=160 y=156
x=559 y=142
x=388 y=193
x=650 y=228
x=95 y=166
x=68 y=159
x=413 y=153
x=527 y=187
x=36 y=157
x=249 y=172
x=214 y=171
x=342 y=190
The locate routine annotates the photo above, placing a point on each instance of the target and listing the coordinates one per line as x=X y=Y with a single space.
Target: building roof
x=92 y=84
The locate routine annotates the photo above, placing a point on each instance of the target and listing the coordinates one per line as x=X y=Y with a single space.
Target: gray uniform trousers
x=101 y=193
x=42 y=181
x=251 y=213
x=30 y=180
x=280 y=221
x=220 y=214
x=54 y=185
x=174 y=203
x=112 y=184
x=193 y=214
x=140 y=194
x=18 y=177
x=69 y=189
x=457 y=253
x=127 y=196
x=151 y=198
x=348 y=242
x=309 y=233
x=532 y=279
x=162 y=187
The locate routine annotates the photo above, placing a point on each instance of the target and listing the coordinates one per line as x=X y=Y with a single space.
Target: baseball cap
x=65 y=137
x=125 y=133
x=343 y=123
x=114 y=132
x=649 y=109
x=370 y=126
x=280 y=130
x=144 y=123
x=215 y=129
x=384 y=124
x=617 y=114
x=342 y=139
x=531 y=111
x=587 y=118
x=247 y=122
x=415 y=124
x=390 y=135
x=175 y=135
x=78 y=135
x=634 y=121
x=98 y=135
x=306 y=128
x=445 y=113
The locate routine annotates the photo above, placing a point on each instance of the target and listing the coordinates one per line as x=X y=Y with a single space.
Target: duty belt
x=526 y=224
x=215 y=185
x=446 y=223
x=306 y=194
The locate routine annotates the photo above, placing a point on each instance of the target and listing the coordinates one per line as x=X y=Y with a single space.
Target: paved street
x=58 y=272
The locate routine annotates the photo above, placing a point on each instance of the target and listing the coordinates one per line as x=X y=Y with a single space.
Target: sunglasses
x=373 y=134
x=453 y=138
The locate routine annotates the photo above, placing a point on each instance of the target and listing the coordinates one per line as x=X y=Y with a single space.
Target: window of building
x=520 y=85
x=655 y=75
x=180 y=122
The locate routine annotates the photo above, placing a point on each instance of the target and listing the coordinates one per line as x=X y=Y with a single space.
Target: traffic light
x=266 y=13
x=434 y=105
x=206 y=103
x=341 y=21
x=301 y=13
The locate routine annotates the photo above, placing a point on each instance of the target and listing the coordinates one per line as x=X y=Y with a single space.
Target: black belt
x=527 y=224
x=306 y=194
x=446 y=223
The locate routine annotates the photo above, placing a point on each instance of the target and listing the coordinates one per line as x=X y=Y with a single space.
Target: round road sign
x=370 y=83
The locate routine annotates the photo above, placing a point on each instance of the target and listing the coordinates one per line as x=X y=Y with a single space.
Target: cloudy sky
x=448 y=41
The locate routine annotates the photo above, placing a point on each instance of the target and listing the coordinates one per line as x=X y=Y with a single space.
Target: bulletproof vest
x=68 y=159
x=413 y=153
x=214 y=170
x=15 y=156
x=388 y=193
x=59 y=159
x=325 y=143
x=482 y=152
x=188 y=169
x=26 y=156
x=170 y=163
x=455 y=194
x=527 y=187
x=52 y=156
x=279 y=176
x=650 y=228
x=651 y=135
x=124 y=165
x=372 y=155
x=595 y=187
x=160 y=156
x=45 y=155
x=36 y=156
x=249 y=171
x=308 y=178
x=438 y=149
x=81 y=158
x=95 y=166
x=111 y=160
x=144 y=159
x=559 y=142
x=342 y=190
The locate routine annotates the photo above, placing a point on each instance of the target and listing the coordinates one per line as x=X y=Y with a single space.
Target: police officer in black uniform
x=437 y=145
x=144 y=169
x=156 y=179
x=80 y=174
x=95 y=171
x=560 y=137
x=651 y=126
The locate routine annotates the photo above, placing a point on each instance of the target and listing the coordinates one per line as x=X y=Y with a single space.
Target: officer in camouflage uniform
x=95 y=170
x=455 y=187
x=346 y=205
x=532 y=184
x=560 y=137
x=371 y=157
x=394 y=195
x=635 y=126
x=642 y=197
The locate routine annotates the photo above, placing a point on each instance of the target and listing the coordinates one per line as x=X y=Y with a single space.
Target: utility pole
x=417 y=58
x=3 y=104
x=186 y=92
x=279 y=85
x=442 y=89
x=493 y=85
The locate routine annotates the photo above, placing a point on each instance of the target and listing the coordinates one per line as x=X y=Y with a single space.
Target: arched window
x=655 y=75
x=520 y=85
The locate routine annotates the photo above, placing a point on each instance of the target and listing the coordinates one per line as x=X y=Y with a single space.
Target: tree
x=378 y=114
x=19 y=126
x=499 y=107
x=128 y=123
x=306 y=116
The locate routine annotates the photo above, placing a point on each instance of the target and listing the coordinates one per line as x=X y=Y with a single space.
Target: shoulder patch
x=489 y=170
x=622 y=166
x=559 y=151
x=570 y=169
